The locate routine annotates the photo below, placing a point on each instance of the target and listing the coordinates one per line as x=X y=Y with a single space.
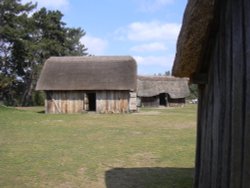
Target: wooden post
x=223 y=132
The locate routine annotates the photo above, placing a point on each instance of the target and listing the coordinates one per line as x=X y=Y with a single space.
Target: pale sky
x=144 y=29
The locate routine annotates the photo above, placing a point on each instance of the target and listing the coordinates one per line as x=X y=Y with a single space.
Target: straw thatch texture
x=148 y=86
x=194 y=34
x=88 y=73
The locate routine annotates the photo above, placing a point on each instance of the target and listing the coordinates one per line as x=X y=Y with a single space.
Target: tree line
x=27 y=38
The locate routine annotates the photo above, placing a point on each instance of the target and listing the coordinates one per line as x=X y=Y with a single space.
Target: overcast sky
x=144 y=29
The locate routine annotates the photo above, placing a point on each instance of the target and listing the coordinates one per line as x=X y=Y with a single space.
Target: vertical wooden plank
x=108 y=101
x=199 y=138
x=100 y=101
x=60 y=102
x=206 y=134
x=61 y=99
x=246 y=152
x=68 y=96
x=226 y=78
x=110 y=110
x=237 y=93
x=50 y=104
x=105 y=106
x=55 y=105
x=74 y=102
x=115 y=101
x=215 y=124
x=53 y=99
x=119 y=98
x=105 y=102
x=70 y=101
x=122 y=103
x=78 y=102
x=47 y=104
x=126 y=98
x=99 y=104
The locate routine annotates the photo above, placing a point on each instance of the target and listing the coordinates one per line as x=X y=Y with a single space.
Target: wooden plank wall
x=64 y=102
x=77 y=102
x=112 y=101
x=223 y=132
x=150 y=101
x=180 y=102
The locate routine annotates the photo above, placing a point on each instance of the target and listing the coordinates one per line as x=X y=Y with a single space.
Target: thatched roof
x=88 y=73
x=148 y=86
x=194 y=34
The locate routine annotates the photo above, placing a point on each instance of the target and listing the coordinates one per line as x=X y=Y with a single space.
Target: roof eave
x=193 y=36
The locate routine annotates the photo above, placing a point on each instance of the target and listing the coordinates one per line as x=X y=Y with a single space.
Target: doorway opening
x=163 y=101
x=92 y=101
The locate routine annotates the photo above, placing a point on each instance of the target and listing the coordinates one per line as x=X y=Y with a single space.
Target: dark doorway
x=92 y=101
x=163 y=101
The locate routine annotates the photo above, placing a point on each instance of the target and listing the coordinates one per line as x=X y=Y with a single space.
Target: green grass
x=153 y=148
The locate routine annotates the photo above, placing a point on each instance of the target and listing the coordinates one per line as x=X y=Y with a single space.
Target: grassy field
x=150 y=149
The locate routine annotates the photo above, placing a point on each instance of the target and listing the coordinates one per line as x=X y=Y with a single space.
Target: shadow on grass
x=149 y=178
x=41 y=112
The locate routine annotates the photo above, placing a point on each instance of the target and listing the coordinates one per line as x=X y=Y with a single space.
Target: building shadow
x=149 y=177
x=41 y=112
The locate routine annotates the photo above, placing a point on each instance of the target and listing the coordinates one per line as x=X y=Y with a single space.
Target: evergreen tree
x=13 y=31
x=26 y=42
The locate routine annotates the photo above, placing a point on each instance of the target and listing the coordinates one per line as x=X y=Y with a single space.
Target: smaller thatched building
x=105 y=84
x=161 y=91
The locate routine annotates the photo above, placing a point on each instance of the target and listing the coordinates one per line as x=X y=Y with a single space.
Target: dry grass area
x=150 y=149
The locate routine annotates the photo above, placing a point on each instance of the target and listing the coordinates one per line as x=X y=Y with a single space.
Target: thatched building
x=105 y=84
x=161 y=91
x=214 y=51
